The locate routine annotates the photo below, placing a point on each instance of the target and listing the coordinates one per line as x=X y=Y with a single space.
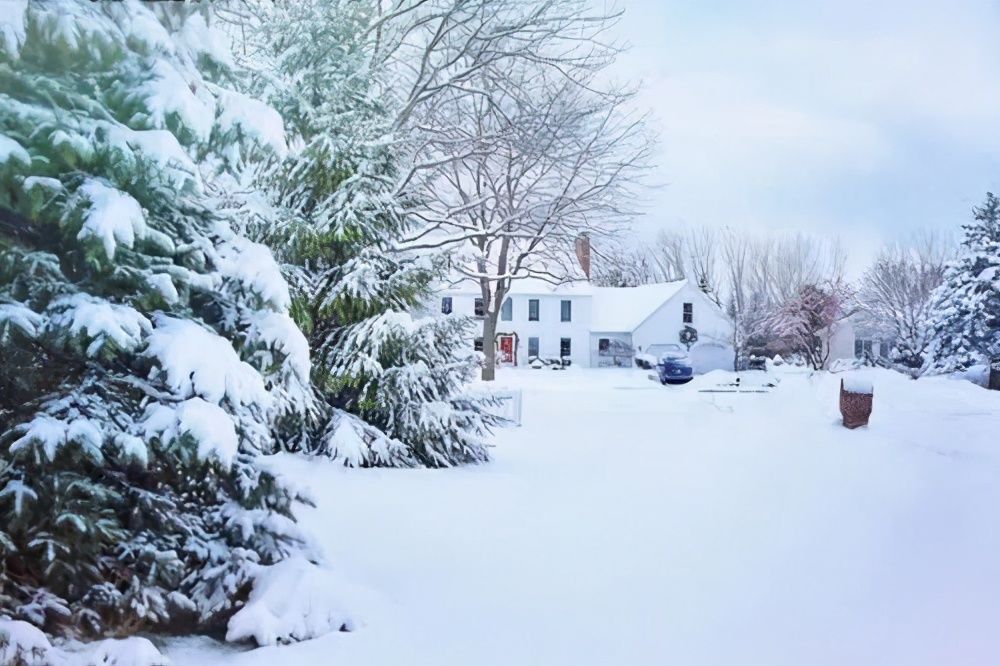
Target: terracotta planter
x=855 y=404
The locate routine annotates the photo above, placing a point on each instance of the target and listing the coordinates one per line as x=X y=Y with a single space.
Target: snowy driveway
x=629 y=523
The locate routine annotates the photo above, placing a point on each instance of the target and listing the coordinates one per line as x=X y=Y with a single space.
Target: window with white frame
x=533 y=309
x=689 y=313
x=446 y=305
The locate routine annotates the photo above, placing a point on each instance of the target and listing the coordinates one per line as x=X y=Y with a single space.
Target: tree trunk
x=489 y=346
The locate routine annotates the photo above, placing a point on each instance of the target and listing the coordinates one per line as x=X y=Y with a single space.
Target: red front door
x=506 y=348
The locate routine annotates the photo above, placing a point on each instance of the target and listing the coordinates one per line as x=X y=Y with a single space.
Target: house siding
x=549 y=329
x=665 y=324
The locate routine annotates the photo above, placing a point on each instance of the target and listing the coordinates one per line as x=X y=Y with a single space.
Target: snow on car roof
x=622 y=309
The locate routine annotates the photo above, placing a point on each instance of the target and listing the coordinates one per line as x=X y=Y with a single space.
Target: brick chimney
x=583 y=252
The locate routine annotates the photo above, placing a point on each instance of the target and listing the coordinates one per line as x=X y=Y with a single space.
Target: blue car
x=674 y=366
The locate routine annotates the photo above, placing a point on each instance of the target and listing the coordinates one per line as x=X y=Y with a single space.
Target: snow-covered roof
x=615 y=309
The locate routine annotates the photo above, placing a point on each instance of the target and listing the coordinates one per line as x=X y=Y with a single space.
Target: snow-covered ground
x=630 y=523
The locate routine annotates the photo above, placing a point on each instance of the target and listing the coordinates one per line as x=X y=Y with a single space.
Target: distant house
x=598 y=326
x=856 y=337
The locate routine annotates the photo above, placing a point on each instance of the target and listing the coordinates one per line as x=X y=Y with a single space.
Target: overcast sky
x=860 y=119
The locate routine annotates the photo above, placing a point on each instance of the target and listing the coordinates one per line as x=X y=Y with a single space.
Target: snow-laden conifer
x=147 y=348
x=966 y=320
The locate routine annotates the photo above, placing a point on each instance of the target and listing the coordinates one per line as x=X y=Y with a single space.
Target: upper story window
x=446 y=305
x=479 y=309
x=565 y=310
x=533 y=309
x=689 y=313
x=477 y=344
x=507 y=310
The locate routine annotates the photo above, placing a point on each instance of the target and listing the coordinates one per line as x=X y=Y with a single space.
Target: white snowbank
x=100 y=321
x=630 y=523
x=198 y=362
x=113 y=217
x=208 y=424
x=22 y=643
x=131 y=651
x=293 y=600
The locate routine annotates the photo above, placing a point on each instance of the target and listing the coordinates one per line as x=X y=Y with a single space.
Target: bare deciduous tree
x=527 y=158
x=895 y=295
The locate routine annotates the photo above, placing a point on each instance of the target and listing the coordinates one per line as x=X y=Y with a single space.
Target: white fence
x=504 y=404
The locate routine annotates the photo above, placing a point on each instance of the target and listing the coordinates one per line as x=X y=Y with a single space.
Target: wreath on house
x=688 y=336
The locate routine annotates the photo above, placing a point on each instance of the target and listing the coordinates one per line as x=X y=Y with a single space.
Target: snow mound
x=22 y=643
x=858 y=385
x=113 y=217
x=208 y=424
x=131 y=651
x=197 y=362
x=293 y=600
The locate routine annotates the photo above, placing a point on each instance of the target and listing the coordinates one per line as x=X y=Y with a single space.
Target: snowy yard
x=630 y=523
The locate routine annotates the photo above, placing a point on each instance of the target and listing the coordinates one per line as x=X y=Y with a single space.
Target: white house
x=857 y=338
x=598 y=326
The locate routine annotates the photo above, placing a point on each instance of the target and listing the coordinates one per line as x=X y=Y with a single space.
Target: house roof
x=613 y=309
x=622 y=309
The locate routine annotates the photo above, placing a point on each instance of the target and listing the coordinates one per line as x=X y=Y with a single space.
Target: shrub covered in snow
x=293 y=600
x=147 y=350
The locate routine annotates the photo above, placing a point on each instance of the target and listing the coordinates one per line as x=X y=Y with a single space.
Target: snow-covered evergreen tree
x=335 y=217
x=146 y=347
x=966 y=318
